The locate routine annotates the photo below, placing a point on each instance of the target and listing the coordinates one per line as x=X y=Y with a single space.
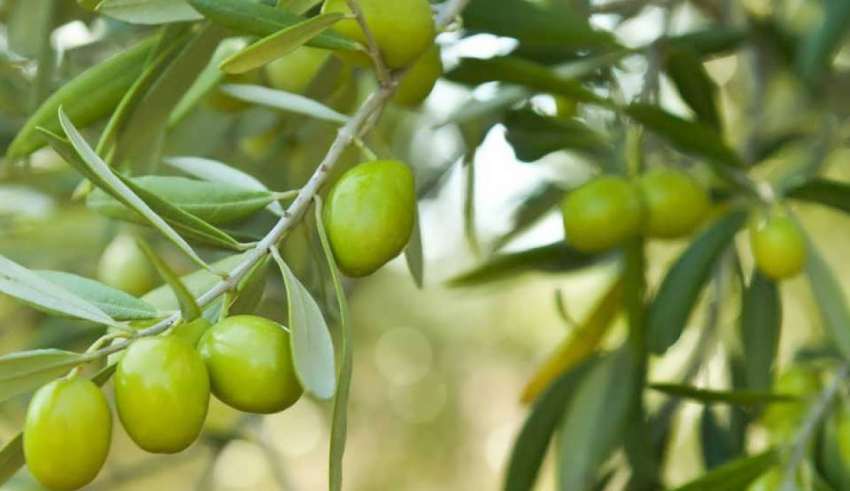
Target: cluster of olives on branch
x=667 y=204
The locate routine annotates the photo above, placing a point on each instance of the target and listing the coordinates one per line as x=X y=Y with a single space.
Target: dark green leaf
x=115 y=303
x=555 y=257
x=823 y=191
x=717 y=445
x=679 y=290
x=189 y=309
x=761 y=321
x=737 y=474
x=714 y=40
x=533 y=440
x=694 y=85
x=533 y=208
x=533 y=136
x=738 y=397
x=815 y=52
x=414 y=256
x=830 y=299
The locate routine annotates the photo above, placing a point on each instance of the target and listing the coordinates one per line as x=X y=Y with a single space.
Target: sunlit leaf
x=149 y=11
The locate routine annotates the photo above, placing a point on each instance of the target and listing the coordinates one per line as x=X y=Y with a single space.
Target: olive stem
x=370 y=155
x=371 y=45
x=285 y=195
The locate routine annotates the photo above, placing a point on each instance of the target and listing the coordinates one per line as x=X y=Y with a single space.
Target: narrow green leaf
x=712 y=40
x=285 y=101
x=189 y=309
x=280 y=43
x=197 y=282
x=708 y=396
x=694 y=85
x=312 y=348
x=761 y=321
x=28 y=370
x=717 y=444
x=263 y=20
x=679 y=290
x=823 y=191
x=533 y=440
x=300 y=6
x=830 y=299
x=11 y=458
x=339 y=428
x=534 y=136
x=216 y=203
x=414 y=255
x=737 y=474
x=533 y=208
x=149 y=11
x=815 y=52
x=249 y=292
x=115 y=303
x=688 y=136
x=555 y=257
x=27 y=286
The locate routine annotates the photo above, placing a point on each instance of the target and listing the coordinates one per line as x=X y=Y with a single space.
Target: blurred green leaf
x=713 y=40
x=11 y=457
x=688 y=136
x=278 y=44
x=533 y=440
x=697 y=89
x=708 y=396
x=680 y=288
x=737 y=474
x=414 y=256
x=534 y=207
x=189 y=309
x=830 y=457
x=149 y=11
x=115 y=303
x=555 y=257
x=717 y=445
x=823 y=191
x=29 y=287
x=533 y=136
x=28 y=370
x=263 y=20
x=285 y=101
x=312 y=348
x=760 y=325
x=830 y=299
x=815 y=51
x=216 y=203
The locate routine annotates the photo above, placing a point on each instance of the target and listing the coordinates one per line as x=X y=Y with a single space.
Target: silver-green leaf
x=285 y=101
x=115 y=303
x=149 y=11
x=28 y=370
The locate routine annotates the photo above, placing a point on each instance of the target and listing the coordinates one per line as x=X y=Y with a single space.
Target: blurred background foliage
x=518 y=119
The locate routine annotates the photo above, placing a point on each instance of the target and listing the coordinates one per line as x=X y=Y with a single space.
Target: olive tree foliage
x=571 y=84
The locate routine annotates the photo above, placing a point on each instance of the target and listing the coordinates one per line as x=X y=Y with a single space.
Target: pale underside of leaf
x=149 y=11
x=285 y=101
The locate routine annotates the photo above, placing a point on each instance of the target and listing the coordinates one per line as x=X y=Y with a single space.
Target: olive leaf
x=737 y=397
x=149 y=11
x=28 y=370
x=285 y=101
x=761 y=321
x=414 y=256
x=339 y=428
x=822 y=191
x=115 y=303
x=694 y=85
x=197 y=282
x=278 y=44
x=249 y=292
x=189 y=309
x=669 y=312
x=31 y=288
x=815 y=52
x=216 y=203
x=312 y=348
x=737 y=474
x=87 y=98
x=215 y=171
x=830 y=299
x=534 y=136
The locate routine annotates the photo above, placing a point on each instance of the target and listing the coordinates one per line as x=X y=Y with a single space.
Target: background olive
x=294 y=71
x=602 y=213
x=250 y=364
x=675 y=203
x=420 y=79
x=403 y=29
x=124 y=266
x=369 y=215
x=67 y=433
x=779 y=246
x=162 y=393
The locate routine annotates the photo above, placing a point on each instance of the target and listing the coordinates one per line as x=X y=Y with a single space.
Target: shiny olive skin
x=369 y=215
x=67 y=433
x=250 y=364
x=778 y=245
x=675 y=203
x=403 y=29
x=294 y=71
x=162 y=393
x=124 y=266
x=602 y=214
x=420 y=79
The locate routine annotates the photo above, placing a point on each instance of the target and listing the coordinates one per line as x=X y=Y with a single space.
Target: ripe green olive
x=420 y=79
x=67 y=433
x=162 y=393
x=602 y=214
x=250 y=364
x=778 y=245
x=294 y=71
x=369 y=215
x=675 y=203
x=403 y=29
x=124 y=266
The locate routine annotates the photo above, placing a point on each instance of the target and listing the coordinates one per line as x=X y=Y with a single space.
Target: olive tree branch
x=371 y=44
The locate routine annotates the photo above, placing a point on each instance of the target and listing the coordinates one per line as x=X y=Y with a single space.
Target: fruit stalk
x=371 y=45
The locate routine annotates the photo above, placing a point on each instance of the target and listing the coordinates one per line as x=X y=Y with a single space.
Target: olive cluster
x=666 y=203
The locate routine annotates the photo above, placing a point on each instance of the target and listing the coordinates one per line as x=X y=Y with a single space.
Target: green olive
x=162 y=393
x=294 y=71
x=420 y=79
x=675 y=203
x=67 y=433
x=602 y=214
x=250 y=364
x=778 y=245
x=369 y=215
x=124 y=266
x=403 y=29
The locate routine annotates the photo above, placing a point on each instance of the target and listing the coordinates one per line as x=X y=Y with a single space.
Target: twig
x=371 y=44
